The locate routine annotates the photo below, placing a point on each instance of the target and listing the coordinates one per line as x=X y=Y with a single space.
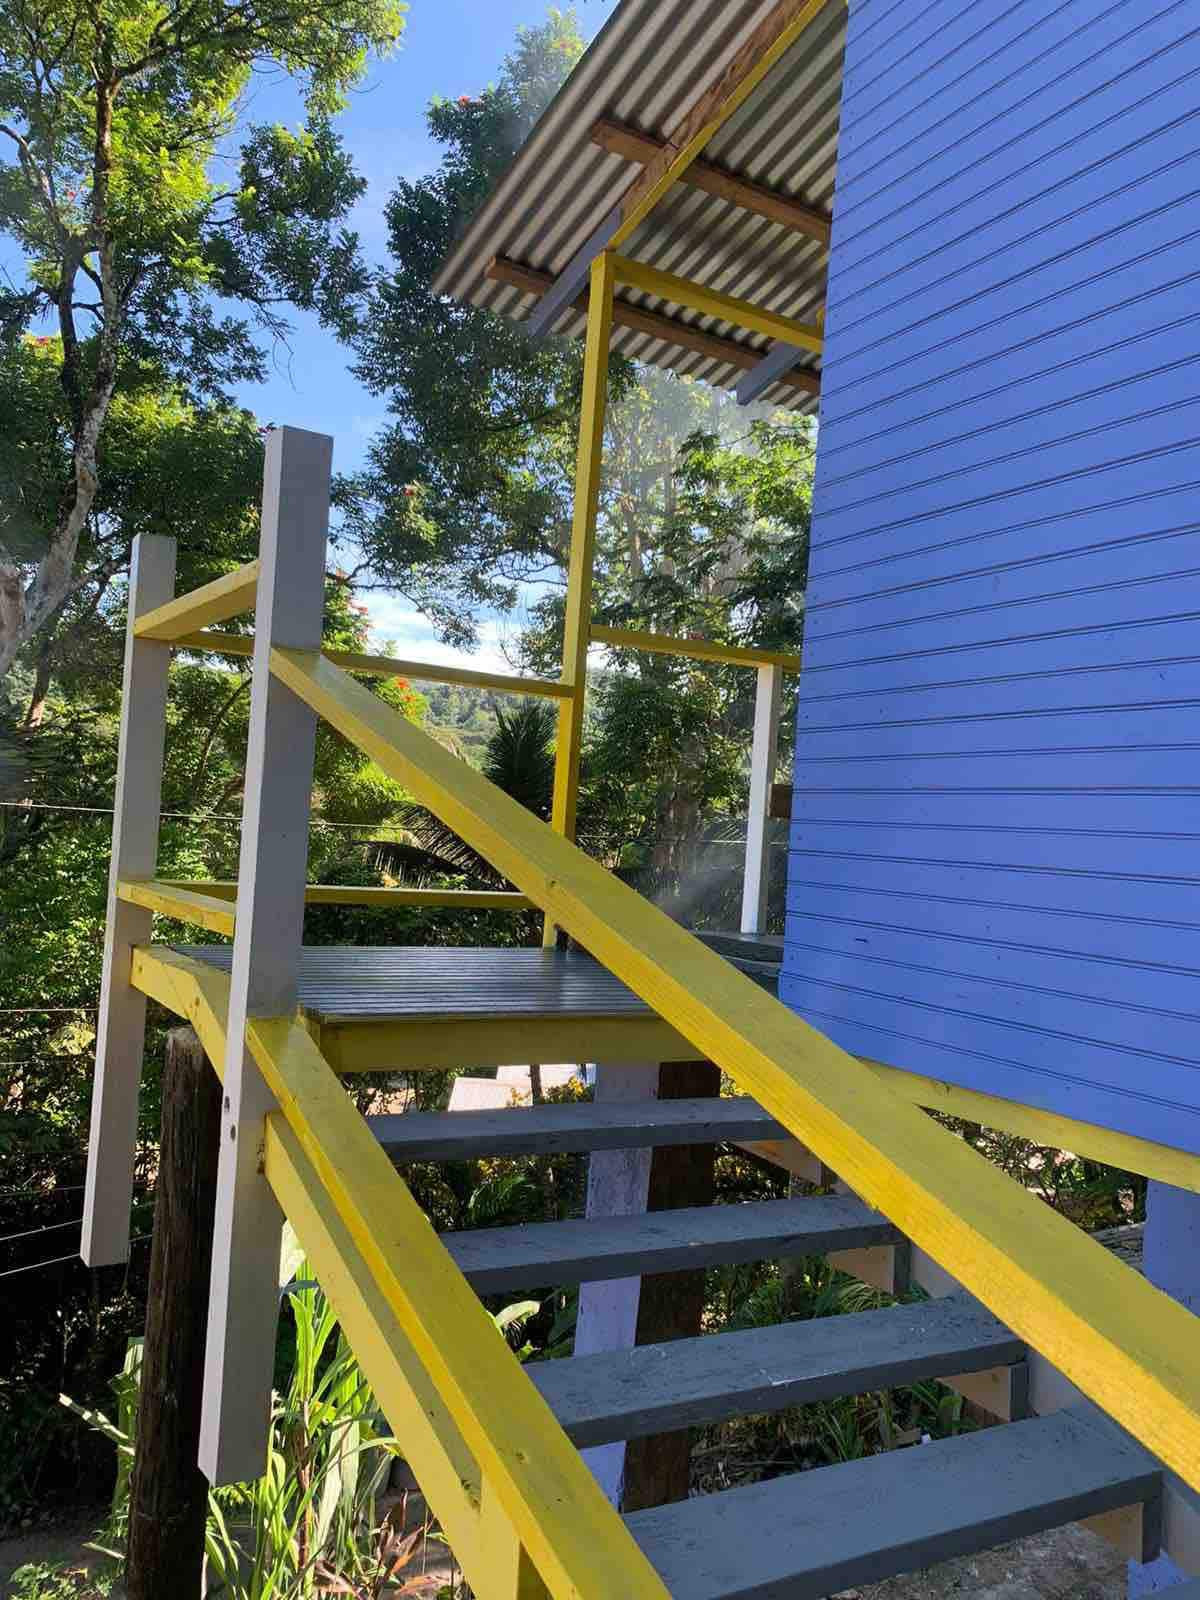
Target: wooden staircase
x=1085 y=1342
x=802 y=1535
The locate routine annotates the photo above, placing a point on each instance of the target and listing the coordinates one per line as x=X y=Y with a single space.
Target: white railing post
x=120 y=1034
x=244 y=1299
x=768 y=701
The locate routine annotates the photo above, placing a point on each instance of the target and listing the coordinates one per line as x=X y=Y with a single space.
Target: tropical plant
x=309 y=1524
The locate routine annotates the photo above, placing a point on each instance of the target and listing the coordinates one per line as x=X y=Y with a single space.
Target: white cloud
x=412 y=636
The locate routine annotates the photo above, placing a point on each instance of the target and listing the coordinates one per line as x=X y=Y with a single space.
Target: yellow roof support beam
x=740 y=313
x=185 y=905
x=769 y=43
x=215 y=602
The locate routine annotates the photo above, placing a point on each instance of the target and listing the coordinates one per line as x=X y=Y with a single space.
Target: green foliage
x=310 y=1522
x=113 y=118
x=41 y=1580
x=468 y=489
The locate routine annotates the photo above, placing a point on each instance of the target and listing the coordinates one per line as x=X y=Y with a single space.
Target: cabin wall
x=994 y=854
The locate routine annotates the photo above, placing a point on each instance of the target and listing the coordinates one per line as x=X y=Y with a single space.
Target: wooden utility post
x=168 y=1492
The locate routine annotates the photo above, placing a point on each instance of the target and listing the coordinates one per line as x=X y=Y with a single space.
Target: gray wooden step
x=663 y=1241
x=659 y=1387
x=547 y=1130
x=814 y=1533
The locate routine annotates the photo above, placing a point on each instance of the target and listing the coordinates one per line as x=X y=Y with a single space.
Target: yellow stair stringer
x=1122 y=1342
x=427 y=1344
x=491 y=1458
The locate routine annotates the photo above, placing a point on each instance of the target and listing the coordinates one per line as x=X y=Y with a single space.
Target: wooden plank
x=766 y=45
x=1126 y=1345
x=682 y=335
x=573 y=1535
x=694 y=1382
x=778 y=361
x=764 y=756
x=214 y=602
x=679 y=291
x=375 y=666
x=697 y=649
x=112 y=1142
x=265 y=959
x=460 y=1042
x=604 y=1124
x=337 y=894
x=1179 y=1168
x=632 y=145
x=191 y=990
x=168 y=900
x=662 y=1241
x=863 y=1521
x=445 y=1468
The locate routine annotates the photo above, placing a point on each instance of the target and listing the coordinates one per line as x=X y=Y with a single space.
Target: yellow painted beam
x=1122 y=1342
x=215 y=602
x=698 y=649
x=191 y=989
x=446 y=1471
x=770 y=41
x=461 y=1042
x=337 y=894
x=1123 y=1150
x=740 y=313
x=371 y=666
x=186 y=905
x=588 y=462
x=557 y=1509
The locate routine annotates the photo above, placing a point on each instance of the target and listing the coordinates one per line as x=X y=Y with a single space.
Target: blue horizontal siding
x=994 y=868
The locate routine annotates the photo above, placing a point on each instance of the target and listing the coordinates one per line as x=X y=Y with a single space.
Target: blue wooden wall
x=995 y=855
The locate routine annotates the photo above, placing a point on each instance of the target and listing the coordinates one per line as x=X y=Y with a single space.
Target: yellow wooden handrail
x=698 y=649
x=215 y=602
x=338 y=894
x=374 y=666
x=1122 y=1342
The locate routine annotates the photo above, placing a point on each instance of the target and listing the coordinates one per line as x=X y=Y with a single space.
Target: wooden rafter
x=633 y=145
x=769 y=42
x=656 y=326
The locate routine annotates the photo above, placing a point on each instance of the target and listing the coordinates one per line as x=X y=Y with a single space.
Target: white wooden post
x=618 y=1186
x=112 y=1146
x=768 y=700
x=244 y=1299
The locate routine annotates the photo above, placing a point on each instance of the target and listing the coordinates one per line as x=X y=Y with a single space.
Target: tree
x=467 y=492
x=113 y=112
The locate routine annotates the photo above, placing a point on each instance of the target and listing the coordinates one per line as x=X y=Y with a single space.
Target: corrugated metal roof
x=646 y=68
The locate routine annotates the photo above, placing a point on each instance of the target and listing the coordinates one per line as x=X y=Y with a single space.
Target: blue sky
x=449 y=47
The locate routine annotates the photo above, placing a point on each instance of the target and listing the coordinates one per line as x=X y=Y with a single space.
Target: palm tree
x=519 y=759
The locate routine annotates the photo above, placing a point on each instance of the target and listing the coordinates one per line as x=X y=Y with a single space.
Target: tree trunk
x=672 y=1303
x=168 y=1493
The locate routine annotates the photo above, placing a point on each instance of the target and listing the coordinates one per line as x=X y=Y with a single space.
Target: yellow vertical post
x=511 y=1575
x=583 y=547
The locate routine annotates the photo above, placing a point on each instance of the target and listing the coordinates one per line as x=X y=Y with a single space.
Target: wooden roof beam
x=632 y=145
x=656 y=326
x=679 y=291
x=768 y=44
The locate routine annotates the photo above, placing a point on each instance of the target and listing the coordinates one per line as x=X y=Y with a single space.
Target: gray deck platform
x=419 y=983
